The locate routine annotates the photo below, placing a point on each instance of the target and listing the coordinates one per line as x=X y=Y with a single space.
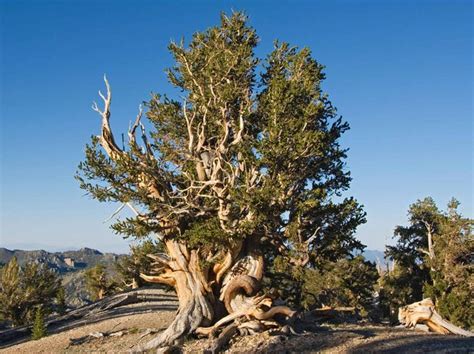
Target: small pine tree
x=23 y=289
x=61 y=301
x=39 y=327
x=11 y=299
x=97 y=282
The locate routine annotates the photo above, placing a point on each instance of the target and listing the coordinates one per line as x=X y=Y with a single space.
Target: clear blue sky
x=399 y=71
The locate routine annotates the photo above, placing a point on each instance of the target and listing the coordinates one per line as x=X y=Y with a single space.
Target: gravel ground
x=326 y=339
x=355 y=339
x=136 y=324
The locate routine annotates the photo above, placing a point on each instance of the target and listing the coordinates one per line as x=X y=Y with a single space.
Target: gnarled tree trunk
x=196 y=300
x=204 y=292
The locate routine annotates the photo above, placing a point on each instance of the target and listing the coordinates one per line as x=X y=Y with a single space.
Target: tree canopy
x=239 y=155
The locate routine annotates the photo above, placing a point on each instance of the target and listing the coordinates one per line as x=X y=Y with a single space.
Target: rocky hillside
x=63 y=262
x=70 y=265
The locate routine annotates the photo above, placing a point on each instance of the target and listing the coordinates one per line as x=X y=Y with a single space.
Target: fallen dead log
x=423 y=312
x=333 y=312
x=87 y=338
x=332 y=315
x=118 y=300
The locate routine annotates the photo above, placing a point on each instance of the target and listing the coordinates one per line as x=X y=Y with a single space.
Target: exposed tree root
x=277 y=310
x=248 y=327
x=423 y=312
x=220 y=342
x=252 y=312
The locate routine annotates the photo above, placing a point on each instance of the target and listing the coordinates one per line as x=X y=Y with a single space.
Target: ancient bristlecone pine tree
x=238 y=172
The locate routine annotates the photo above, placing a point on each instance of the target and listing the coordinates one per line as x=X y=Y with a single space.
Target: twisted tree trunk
x=203 y=292
x=196 y=300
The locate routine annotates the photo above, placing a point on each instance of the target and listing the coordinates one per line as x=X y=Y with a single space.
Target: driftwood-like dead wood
x=108 y=308
x=423 y=312
x=99 y=335
x=88 y=338
x=333 y=312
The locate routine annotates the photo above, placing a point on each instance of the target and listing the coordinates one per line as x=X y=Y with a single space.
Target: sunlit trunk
x=203 y=291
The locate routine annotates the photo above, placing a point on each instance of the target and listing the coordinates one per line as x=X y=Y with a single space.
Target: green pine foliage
x=39 y=328
x=98 y=282
x=447 y=277
x=11 y=294
x=399 y=287
x=23 y=289
x=346 y=282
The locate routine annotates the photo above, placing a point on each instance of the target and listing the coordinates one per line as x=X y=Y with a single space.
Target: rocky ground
x=133 y=330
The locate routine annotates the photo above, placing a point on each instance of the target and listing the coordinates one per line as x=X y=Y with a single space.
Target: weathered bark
x=189 y=318
x=217 y=344
x=233 y=283
x=423 y=312
x=195 y=296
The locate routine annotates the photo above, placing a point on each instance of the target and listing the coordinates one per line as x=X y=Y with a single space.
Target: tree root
x=248 y=327
x=246 y=322
x=209 y=331
x=220 y=342
x=251 y=327
x=277 y=310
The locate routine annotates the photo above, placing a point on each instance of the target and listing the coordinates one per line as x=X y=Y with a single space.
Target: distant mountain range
x=63 y=262
x=87 y=257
